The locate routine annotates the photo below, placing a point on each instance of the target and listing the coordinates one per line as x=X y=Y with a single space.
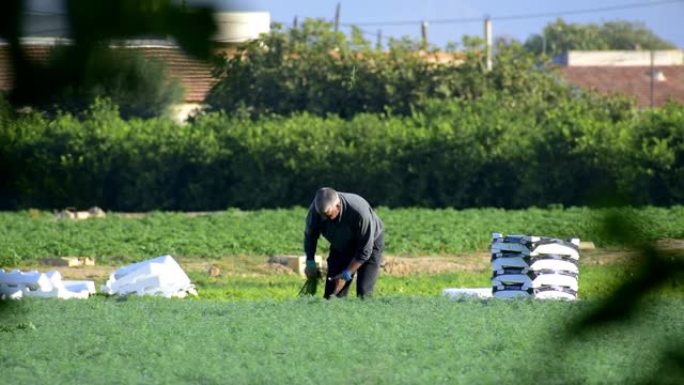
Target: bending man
x=356 y=241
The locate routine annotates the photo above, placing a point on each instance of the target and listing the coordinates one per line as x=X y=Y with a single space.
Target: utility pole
x=337 y=18
x=378 y=45
x=488 y=42
x=653 y=74
x=423 y=33
x=294 y=23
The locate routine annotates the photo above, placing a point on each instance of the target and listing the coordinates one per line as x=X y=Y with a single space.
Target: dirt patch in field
x=401 y=266
x=392 y=265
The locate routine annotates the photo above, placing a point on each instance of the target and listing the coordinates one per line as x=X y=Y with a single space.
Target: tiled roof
x=33 y=52
x=631 y=80
x=194 y=75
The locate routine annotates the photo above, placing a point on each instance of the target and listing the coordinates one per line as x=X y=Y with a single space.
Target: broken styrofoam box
x=18 y=284
x=32 y=280
x=157 y=276
x=80 y=286
x=485 y=292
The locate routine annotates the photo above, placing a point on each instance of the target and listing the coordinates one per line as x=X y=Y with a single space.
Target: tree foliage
x=558 y=37
x=311 y=68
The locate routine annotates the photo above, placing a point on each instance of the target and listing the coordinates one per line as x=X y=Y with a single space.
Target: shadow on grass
x=621 y=312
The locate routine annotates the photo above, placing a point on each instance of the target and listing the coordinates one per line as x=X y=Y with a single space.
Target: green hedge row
x=495 y=151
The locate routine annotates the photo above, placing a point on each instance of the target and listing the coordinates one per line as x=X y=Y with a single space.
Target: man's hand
x=339 y=285
x=340 y=280
x=311 y=270
x=345 y=275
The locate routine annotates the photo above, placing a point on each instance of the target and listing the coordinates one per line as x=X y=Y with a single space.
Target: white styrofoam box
x=80 y=286
x=485 y=292
x=11 y=290
x=150 y=266
x=534 y=245
x=555 y=249
x=556 y=264
x=501 y=264
x=556 y=279
x=157 y=276
x=555 y=292
x=58 y=292
x=522 y=265
x=17 y=284
x=519 y=281
x=506 y=293
x=32 y=280
x=525 y=282
x=15 y=295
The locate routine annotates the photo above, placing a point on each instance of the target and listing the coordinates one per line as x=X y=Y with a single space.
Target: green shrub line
x=30 y=235
x=490 y=152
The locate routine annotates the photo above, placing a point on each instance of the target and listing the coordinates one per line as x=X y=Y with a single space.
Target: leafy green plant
x=25 y=237
x=412 y=340
x=311 y=285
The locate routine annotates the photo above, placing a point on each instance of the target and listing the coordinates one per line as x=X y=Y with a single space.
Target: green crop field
x=31 y=235
x=247 y=325
x=394 y=340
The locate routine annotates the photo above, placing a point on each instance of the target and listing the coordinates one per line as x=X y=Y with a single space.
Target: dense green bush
x=495 y=151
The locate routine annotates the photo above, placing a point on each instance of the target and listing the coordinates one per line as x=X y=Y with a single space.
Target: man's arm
x=311 y=234
x=364 y=247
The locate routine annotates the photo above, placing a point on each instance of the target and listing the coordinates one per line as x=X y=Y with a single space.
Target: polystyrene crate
x=555 y=292
x=456 y=293
x=157 y=276
x=511 y=292
x=530 y=282
x=526 y=245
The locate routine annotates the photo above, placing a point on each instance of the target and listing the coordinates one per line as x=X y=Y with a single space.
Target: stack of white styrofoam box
x=462 y=293
x=159 y=276
x=531 y=266
x=17 y=284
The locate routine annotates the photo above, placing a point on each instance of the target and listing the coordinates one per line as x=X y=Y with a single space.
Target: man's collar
x=339 y=216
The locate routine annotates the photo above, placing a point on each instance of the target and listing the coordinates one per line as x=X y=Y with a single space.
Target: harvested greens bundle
x=311 y=284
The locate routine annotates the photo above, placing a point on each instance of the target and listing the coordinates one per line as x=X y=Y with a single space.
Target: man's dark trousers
x=366 y=276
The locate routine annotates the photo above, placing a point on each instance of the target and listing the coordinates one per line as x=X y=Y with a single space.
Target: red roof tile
x=194 y=75
x=632 y=81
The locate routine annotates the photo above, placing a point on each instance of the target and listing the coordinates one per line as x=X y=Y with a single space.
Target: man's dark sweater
x=351 y=235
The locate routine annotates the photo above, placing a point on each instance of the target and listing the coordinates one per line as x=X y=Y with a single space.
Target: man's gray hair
x=325 y=199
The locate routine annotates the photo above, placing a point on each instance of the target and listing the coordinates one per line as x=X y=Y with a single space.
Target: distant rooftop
x=619 y=58
x=233 y=27
x=194 y=75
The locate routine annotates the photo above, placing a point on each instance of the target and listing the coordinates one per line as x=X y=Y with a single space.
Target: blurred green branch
x=94 y=25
